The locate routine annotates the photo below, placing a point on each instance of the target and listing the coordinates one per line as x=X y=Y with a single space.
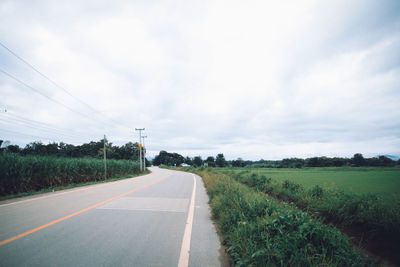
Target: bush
x=291 y=186
x=316 y=191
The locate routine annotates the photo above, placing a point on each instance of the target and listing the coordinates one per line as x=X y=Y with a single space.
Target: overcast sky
x=250 y=79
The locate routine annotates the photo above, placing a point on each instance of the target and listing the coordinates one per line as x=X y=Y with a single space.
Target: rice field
x=374 y=180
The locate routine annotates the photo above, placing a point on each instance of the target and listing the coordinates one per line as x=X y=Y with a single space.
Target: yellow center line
x=2 y=243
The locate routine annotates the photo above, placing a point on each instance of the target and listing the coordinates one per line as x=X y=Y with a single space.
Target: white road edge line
x=185 y=249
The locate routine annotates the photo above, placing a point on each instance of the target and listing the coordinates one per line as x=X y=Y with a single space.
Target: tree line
x=175 y=159
x=130 y=151
x=358 y=160
x=93 y=149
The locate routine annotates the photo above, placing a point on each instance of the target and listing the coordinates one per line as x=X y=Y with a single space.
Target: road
x=160 y=219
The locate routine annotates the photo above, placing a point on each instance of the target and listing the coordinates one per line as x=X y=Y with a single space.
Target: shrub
x=316 y=191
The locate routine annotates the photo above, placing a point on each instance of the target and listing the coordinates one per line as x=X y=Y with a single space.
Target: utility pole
x=105 y=159
x=140 y=146
x=144 y=152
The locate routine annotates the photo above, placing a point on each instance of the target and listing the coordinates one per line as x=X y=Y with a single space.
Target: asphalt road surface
x=160 y=219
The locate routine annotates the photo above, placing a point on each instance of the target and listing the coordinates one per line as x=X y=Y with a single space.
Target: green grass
x=259 y=231
x=375 y=180
x=374 y=217
x=363 y=202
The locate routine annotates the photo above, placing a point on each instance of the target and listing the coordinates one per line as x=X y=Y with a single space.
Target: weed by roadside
x=259 y=231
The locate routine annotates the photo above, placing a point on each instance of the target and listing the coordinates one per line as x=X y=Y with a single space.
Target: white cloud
x=253 y=80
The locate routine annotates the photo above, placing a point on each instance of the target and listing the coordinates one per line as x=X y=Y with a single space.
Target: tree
x=169 y=159
x=238 y=163
x=51 y=149
x=358 y=160
x=188 y=161
x=130 y=151
x=161 y=158
x=210 y=161
x=197 y=161
x=34 y=148
x=385 y=161
x=13 y=149
x=220 y=161
x=68 y=150
x=148 y=163
x=319 y=162
x=178 y=159
x=292 y=163
x=372 y=162
x=337 y=162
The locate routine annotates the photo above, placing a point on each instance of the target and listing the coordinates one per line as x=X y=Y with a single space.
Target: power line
x=18 y=124
x=30 y=135
x=41 y=124
x=54 y=83
x=7 y=117
x=38 y=128
x=46 y=77
x=44 y=95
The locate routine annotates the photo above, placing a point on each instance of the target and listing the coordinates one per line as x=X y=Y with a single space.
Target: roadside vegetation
x=369 y=213
x=39 y=167
x=93 y=149
x=261 y=231
x=372 y=220
x=19 y=174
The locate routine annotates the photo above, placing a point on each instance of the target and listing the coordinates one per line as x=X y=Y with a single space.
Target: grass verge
x=259 y=231
x=371 y=220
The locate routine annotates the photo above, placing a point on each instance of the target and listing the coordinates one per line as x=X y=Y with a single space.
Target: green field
x=382 y=181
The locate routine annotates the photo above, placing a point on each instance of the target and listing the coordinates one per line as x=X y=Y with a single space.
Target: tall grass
x=258 y=231
x=20 y=174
